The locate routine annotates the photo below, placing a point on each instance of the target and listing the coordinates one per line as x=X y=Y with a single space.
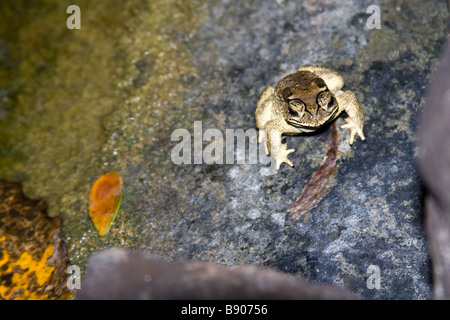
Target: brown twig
x=316 y=189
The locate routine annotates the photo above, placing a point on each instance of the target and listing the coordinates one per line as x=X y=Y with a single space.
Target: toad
x=303 y=102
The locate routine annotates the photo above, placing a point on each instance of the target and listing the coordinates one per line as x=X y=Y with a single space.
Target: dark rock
x=118 y=274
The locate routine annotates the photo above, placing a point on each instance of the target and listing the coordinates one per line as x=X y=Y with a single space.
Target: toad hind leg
x=355 y=121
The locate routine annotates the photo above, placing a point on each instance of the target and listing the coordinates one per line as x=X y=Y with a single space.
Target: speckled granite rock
x=372 y=213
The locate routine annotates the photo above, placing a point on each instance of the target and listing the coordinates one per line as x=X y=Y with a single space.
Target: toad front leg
x=355 y=121
x=277 y=149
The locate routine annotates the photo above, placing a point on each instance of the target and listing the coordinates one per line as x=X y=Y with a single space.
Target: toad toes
x=303 y=102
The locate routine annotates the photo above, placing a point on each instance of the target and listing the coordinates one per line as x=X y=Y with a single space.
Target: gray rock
x=372 y=212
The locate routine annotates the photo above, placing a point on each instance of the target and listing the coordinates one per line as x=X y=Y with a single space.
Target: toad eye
x=324 y=98
x=296 y=108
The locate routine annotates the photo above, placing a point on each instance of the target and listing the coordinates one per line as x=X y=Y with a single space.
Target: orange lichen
x=33 y=258
x=104 y=201
x=21 y=272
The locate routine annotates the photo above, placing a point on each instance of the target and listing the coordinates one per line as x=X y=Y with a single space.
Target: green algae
x=77 y=103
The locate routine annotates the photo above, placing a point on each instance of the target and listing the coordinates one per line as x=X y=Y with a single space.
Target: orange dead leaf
x=104 y=201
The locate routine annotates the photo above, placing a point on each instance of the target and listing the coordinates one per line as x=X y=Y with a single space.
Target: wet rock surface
x=180 y=68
